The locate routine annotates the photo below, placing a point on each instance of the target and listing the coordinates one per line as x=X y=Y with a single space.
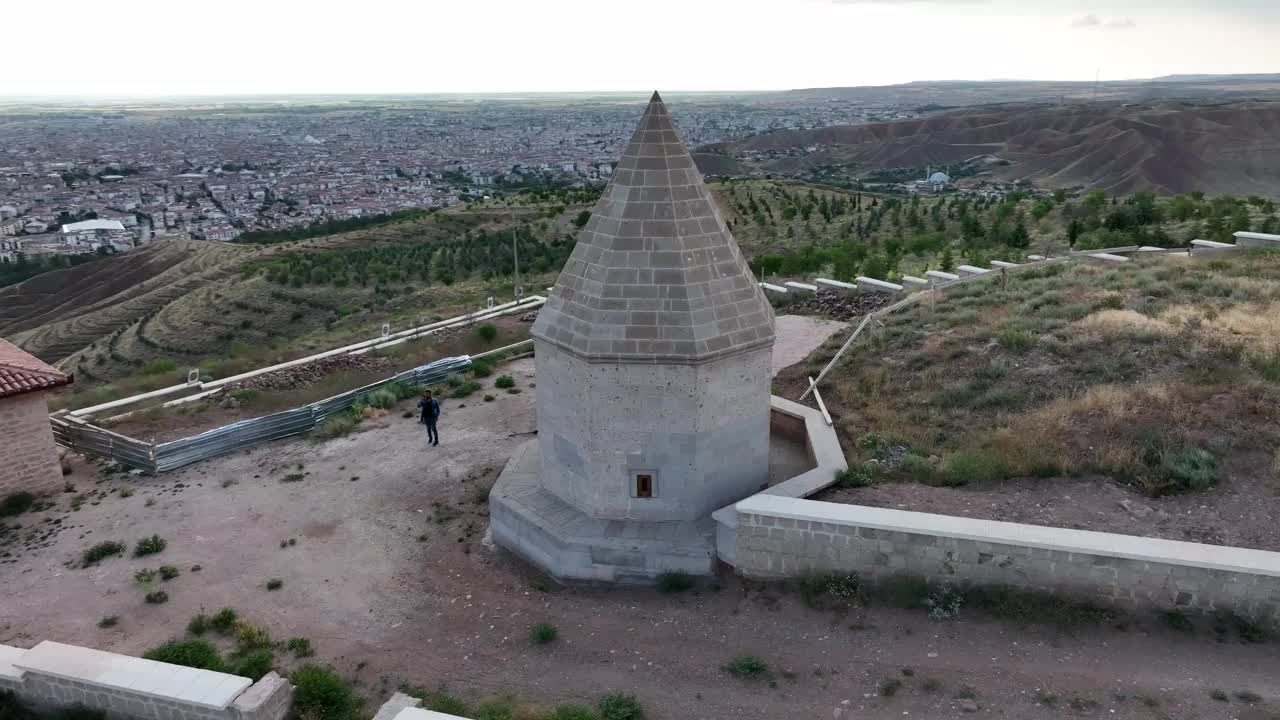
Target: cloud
x=1093 y=21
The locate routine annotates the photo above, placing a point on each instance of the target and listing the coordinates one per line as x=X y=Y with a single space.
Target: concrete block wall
x=53 y=675
x=30 y=457
x=783 y=537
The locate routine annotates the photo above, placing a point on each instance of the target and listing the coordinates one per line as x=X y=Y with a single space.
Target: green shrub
x=16 y=503
x=157 y=597
x=487 y=332
x=189 y=653
x=489 y=398
x=1015 y=340
x=224 y=621
x=251 y=637
x=159 y=366
x=149 y=546
x=543 y=633
x=619 y=706
x=168 y=572
x=480 y=368
x=747 y=667
x=275 y=584
x=504 y=382
x=442 y=702
x=102 y=551
x=1191 y=469
x=322 y=694
x=144 y=576
x=337 y=425
x=573 y=712
x=856 y=476
x=109 y=621
x=1219 y=695
x=465 y=389
x=199 y=625
x=1111 y=302
x=916 y=467
x=973 y=466
x=890 y=687
x=255 y=663
x=496 y=710
x=454 y=380
x=382 y=398
x=300 y=647
x=674 y=581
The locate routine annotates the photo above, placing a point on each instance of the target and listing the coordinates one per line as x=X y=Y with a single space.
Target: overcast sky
x=162 y=47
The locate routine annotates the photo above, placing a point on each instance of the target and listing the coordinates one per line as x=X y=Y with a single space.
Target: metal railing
x=77 y=434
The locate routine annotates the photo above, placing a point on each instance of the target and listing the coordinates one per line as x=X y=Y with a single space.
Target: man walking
x=430 y=413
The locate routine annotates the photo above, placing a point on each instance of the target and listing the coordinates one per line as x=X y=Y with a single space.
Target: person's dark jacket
x=430 y=409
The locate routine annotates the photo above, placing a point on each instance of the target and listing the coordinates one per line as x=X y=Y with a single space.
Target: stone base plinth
x=573 y=547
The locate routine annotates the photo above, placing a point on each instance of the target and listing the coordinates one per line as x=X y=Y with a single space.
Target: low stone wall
x=53 y=675
x=782 y=537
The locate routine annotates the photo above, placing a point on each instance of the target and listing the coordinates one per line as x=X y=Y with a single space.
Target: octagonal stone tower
x=653 y=380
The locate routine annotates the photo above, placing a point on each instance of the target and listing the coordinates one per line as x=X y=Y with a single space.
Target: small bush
x=489 y=398
x=322 y=694
x=199 y=625
x=454 y=380
x=1191 y=469
x=149 y=546
x=144 y=576
x=1015 y=340
x=106 y=622
x=275 y=584
x=916 y=467
x=1176 y=620
x=890 y=687
x=480 y=368
x=255 y=663
x=383 y=399
x=973 y=466
x=442 y=702
x=487 y=332
x=1248 y=696
x=159 y=366
x=465 y=390
x=856 y=476
x=619 y=706
x=503 y=709
x=573 y=712
x=543 y=634
x=224 y=621
x=513 y=391
x=188 y=653
x=102 y=551
x=1111 y=302
x=300 y=647
x=747 y=667
x=1219 y=695
x=168 y=572
x=944 y=604
x=504 y=382
x=251 y=637
x=337 y=426
x=674 y=581
x=16 y=504
x=157 y=597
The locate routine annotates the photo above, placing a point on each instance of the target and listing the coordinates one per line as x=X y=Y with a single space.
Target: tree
x=947 y=263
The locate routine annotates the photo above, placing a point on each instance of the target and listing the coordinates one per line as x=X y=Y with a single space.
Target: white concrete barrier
x=967 y=270
x=1257 y=239
x=1035 y=258
x=937 y=277
x=769 y=287
x=835 y=284
x=911 y=282
x=1001 y=264
x=1108 y=257
x=800 y=287
x=866 y=283
x=1206 y=247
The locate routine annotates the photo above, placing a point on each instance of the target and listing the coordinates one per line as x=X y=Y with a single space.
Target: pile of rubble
x=529 y=316
x=839 y=305
x=308 y=374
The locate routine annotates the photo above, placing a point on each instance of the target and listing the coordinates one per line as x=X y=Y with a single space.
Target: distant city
x=80 y=181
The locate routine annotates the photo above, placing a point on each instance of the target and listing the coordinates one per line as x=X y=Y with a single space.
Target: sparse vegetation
x=16 y=503
x=620 y=706
x=487 y=332
x=224 y=621
x=543 y=634
x=157 y=597
x=189 y=653
x=300 y=647
x=102 y=551
x=674 y=581
x=109 y=621
x=747 y=667
x=504 y=382
x=198 y=625
x=321 y=694
x=275 y=584
x=149 y=546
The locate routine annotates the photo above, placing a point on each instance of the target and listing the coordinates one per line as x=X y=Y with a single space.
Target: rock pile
x=839 y=305
x=306 y=375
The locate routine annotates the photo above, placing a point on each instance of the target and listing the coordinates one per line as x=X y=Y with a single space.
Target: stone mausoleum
x=653 y=380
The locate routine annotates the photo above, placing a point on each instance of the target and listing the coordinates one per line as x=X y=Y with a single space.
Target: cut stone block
x=1256 y=239
x=1001 y=264
x=801 y=287
x=866 y=283
x=774 y=288
x=937 y=277
x=911 y=282
x=1035 y=258
x=1206 y=247
x=835 y=284
x=1109 y=257
x=967 y=270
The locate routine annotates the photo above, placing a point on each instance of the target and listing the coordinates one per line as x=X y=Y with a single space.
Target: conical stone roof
x=656 y=275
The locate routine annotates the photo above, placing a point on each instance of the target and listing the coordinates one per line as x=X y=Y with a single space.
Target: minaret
x=653 y=378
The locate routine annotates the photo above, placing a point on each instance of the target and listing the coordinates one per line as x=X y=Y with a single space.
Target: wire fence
x=79 y=435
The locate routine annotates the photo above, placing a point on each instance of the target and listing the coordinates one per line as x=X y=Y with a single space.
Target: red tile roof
x=23 y=373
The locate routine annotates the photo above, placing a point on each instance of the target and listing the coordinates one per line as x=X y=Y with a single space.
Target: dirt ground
x=391 y=580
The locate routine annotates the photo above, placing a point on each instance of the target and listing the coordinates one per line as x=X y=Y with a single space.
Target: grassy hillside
x=791 y=229
x=1161 y=375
